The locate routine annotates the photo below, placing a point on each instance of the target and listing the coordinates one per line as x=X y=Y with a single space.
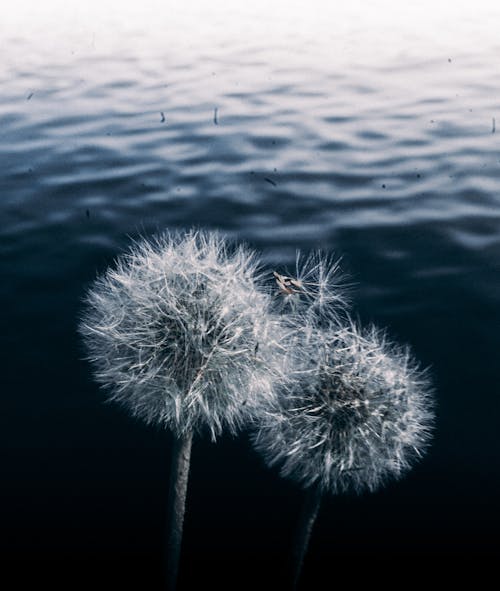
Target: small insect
x=287 y=285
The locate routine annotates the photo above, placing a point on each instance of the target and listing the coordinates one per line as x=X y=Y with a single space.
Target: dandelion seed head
x=178 y=332
x=358 y=413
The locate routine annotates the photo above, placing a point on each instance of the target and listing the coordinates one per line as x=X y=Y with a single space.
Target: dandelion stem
x=179 y=474
x=308 y=514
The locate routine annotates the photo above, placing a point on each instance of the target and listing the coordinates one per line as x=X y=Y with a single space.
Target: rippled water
x=357 y=132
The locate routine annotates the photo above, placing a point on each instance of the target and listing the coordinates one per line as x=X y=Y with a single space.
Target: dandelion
x=179 y=334
x=358 y=413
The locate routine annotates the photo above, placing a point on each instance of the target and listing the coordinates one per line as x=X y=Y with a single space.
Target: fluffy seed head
x=179 y=334
x=359 y=412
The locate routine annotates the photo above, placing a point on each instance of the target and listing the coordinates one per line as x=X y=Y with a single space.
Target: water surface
x=368 y=132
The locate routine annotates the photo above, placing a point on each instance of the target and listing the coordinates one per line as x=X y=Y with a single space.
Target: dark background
x=386 y=154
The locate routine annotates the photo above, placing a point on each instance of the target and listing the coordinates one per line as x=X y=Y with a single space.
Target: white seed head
x=178 y=333
x=359 y=412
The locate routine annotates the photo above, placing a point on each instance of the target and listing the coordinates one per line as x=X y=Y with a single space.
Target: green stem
x=308 y=515
x=179 y=474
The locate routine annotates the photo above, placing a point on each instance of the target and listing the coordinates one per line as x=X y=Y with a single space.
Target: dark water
x=370 y=137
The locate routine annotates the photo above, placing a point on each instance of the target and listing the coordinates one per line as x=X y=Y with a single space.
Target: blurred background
x=367 y=129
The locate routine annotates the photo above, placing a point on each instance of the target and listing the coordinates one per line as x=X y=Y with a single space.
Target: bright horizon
x=383 y=14
x=350 y=32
